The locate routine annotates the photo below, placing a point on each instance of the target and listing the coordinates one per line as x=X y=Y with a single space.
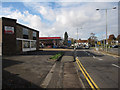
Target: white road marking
x=114 y=57
x=93 y=56
x=100 y=59
x=97 y=58
x=88 y=53
x=115 y=65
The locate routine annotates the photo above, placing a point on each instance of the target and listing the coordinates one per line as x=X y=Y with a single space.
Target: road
x=103 y=69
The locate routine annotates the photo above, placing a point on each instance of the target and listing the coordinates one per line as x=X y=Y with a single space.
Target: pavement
x=103 y=69
x=111 y=51
x=63 y=74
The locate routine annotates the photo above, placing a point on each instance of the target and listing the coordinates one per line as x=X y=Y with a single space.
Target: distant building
x=17 y=38
x=114 y=41
x=50 y=42
x=81 y=43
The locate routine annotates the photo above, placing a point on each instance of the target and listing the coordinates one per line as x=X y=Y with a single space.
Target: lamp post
x=77 y=32
x=106 y=21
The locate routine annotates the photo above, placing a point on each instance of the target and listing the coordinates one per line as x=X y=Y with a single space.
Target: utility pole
x=77 y=33
x=106 y=30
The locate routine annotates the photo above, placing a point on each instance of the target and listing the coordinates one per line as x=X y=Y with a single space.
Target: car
x=115 y=46
x=87 y=47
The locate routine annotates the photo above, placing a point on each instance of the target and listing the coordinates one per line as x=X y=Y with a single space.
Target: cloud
x=53 y=19
x=61 y=1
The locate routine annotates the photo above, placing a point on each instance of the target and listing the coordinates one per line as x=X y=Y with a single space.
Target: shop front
x=26 y=44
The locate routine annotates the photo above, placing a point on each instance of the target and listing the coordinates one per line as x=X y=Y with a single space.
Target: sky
x=53 y=19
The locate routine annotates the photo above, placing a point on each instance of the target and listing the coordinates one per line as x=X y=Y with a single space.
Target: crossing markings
x=87 y=76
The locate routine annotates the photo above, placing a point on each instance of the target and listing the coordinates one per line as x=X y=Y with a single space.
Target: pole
x=106 y=30
x=77 y=33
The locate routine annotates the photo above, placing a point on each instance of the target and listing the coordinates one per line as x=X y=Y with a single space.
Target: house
x=81 y=43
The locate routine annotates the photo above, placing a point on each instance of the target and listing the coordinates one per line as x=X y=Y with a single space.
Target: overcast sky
x=54 y=18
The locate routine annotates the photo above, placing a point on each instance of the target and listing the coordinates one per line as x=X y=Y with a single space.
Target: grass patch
x=56 y=56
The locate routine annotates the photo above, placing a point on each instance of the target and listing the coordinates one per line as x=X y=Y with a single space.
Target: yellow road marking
x=52 y=49
x=87 y=74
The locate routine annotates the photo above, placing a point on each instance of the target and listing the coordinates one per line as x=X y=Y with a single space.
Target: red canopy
x=49 y=37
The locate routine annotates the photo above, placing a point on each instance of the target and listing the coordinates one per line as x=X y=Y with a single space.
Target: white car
x=87 y=47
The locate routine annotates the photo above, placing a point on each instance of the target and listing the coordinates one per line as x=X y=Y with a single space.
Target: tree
x=111 y=38
x=65 y=38
x=118 y=37
x=92 y=39
x=72 y=41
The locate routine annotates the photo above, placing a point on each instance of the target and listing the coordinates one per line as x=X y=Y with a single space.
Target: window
x=25 y=33
x=26 y=44
x=33 y=44
x=34 y=35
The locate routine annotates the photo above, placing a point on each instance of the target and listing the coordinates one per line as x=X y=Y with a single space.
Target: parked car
x=115 y=46
x=87 y=47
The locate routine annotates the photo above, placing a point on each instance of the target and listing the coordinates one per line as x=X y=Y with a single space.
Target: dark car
x=115 y=46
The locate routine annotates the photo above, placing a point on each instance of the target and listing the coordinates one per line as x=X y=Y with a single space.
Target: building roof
x=45 y=38
x=8 y=18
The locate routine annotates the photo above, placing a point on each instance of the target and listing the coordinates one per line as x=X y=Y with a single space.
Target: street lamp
x=77 y=32
x=106 y=21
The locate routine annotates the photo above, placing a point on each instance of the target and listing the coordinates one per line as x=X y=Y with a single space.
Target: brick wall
x=19 y=31
x=9 y=40
x=0 y=36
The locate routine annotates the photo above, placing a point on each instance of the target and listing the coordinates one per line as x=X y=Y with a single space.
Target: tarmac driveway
x=26 y=71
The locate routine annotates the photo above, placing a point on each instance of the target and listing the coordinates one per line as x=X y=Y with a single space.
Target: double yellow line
x=87 y=76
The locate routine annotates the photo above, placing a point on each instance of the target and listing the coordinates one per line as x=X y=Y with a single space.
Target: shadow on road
x=8 y=63
x=47 y=53
x=14 y=81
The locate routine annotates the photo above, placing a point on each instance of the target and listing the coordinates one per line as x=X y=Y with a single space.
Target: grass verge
x=56 y=56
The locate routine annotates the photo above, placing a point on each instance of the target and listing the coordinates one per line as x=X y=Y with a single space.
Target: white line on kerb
x=115 y=65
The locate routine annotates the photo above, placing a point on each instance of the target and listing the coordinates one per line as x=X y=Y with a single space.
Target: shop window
x=33 y=44
x=26 y=44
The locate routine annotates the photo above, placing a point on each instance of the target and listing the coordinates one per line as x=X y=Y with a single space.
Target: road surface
x=103 y=69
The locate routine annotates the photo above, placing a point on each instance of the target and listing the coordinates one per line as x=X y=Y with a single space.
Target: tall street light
x=77 y=32
x=106 y=21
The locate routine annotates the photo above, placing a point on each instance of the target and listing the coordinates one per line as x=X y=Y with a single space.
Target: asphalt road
x=103 y=69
